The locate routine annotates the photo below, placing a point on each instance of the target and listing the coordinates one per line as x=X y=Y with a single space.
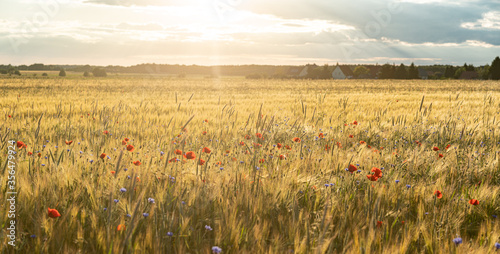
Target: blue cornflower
x=116 y=200
x=327 y=185
x=457 y=240
x=145 y=214
x=170 y=233
x=221 y=168
x=123 y=190
x=408 y=186
x=32 y=236
x=207 y=227
x=216 y=249
x=43 y=165
x=128 y=215
x=105 y=209
x=397 y=181
x=151 y=200
x=497 y=246
x=125 y=169
x=332 y=184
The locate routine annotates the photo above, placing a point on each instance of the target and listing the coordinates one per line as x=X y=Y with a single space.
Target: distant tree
x=86 y=74
x=359 y=71
x=459 y=72
x=413 y=72
x=3 y=72
x=495 y=69
x=325 y=72
x=484 y=72
x=99 y=72
x=449 y=71
x=386 y=72
x=62 y=73
x=16 y=72
x=44 y=74
x=401 y=72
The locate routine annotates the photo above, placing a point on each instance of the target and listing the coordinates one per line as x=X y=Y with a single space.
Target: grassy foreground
x=313 y=195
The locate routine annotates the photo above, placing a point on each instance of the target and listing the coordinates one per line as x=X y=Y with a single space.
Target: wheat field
x=291 y=166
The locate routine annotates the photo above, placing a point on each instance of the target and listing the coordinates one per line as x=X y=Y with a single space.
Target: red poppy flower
x=441 y=155
x=379 y=224
x=352 y=168
x=69 y=142
x=204 y=133
x=206 y=120
x=296 y=139
x=178 y=152
x=53 y=213
x=242 y=143
x=339 y=144
x=377 y=172
x=120 y=227
x=259 y=135
x=321 y=135
x=369 y=146
x=288 y=147
x=106 y=132
x=10 y=116
x=190 y=155
x=435 y=148
x=262 y=161
x=362 y=142
x=438 y=194
x=372 y=177
x=327 y=147
x=448 y=146
x=247 y=136
x=351 y=136
x=279 y=145
x=474 y=202
x=130 y=148
x=30 y=153
x=257 y=145
x=201 y=162
x=21 y=145
x=124 y=142
x=282 y=156
x=206 y=150
x=39 y=155
x=137 y=163
x=127 y=139
x=345 y=124
x=103 y=155
x=355 y=123
x=227 y=151
x=172 y=160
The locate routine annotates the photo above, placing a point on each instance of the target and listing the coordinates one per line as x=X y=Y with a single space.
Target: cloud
x=490 y=21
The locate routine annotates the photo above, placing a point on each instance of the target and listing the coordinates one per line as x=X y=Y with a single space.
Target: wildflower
x=116 y=200
x=151 y=200
x=190 y=155
x=53 y=213
x=170 y=234
x=457 y=240
x=282 y=157
x=145 y=214
x=408 y=186
x=441 y=155
x=123 y=190
x=120 y=227
x=321 y=135
x=279 y=145
x=103 y=155
x=206 y=150
x=362 y=142
x=262 y=160
x=30 y=153
x=21 y=145
x=124 y=142
x=497 y=246
x=296 y=139
x=178 y=152
x=68 y=142
x=113 y=172
x=379 y=224
x=130 y=148
x=127 y=139
x=106 y=132
x=207 y=227
x=438 y=194
x=351 y=136
x=474 y=202
x=435 y=148
x=137 y=163
x=216 y=250
x=352 y=168
x=355 y=123
x=202 y=161
x=448 y=146
x=258 y=135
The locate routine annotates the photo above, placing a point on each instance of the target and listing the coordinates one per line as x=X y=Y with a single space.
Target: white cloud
x=490 y=21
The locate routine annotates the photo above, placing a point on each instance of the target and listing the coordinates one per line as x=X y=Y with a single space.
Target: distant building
x=342 y=72
x=304 y=72
x=469 y=75
x=423 y=73
x=294 y=71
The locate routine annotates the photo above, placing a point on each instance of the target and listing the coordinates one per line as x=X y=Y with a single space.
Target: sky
x=226 y=32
